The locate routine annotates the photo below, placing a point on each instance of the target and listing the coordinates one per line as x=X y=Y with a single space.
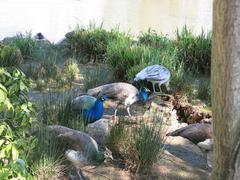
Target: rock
x=161 y=106
x=173 y=167
x=99 y=130
x=8 y=40
x=181 y=159
x=65 y=40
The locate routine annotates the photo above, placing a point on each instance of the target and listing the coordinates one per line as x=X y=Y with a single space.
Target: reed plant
x=48 y=160
x=70 y=70
x=96 y=76
x=194 y=50
x=10 y=56
x=134 y=142
x=25 y=43
x=92 y=42
x=55 y=108
x=204 y=90
x=153 y=39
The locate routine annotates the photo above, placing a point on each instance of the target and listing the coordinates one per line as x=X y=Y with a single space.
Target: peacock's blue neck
x=143 y=95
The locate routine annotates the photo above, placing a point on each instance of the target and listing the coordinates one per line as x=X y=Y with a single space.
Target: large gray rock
x=99 y=130
x=186 y=150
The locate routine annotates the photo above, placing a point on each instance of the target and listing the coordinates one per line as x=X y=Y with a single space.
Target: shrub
x=121 y=56
x=25 y=43
x=97 y=76
x=152 y=39
x=134 y=142
x=204 y=90
x=93 y=42
x=147 y=139
x=194 y=51
x=55 y=108
x=49 y=69
x=9 y=56
x=48 y=156
x=71 y=70
x=48 y=168
x=16 y=114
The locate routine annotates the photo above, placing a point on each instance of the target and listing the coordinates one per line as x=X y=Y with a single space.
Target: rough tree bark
x=225 y=85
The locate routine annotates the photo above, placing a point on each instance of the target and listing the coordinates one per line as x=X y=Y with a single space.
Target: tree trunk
x=225 y=85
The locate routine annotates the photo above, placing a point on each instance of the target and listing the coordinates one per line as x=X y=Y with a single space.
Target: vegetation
x=9 y=56
x=134 y=142
x=93 y=42
x=113 y=56
x=16 y=114
x=98 y=75
x=25 y=43
x=48 y=156
x=194 y=51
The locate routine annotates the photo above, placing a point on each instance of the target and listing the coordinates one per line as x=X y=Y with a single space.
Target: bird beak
x=111 y=157
x=148 y=90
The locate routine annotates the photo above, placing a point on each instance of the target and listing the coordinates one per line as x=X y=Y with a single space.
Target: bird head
x=107 y=154
x=144 y=94
x=103 y=98
x=131 y=99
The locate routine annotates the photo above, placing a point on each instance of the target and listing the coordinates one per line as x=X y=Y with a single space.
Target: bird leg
x=115 y=116
x=128 y=110
x=153 y=87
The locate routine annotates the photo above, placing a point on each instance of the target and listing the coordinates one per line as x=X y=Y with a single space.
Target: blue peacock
x=90 y=108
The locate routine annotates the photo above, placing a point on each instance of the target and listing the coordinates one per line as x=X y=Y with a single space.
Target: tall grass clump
x=48 y=160
x=10 y=56
x=92 y=42
x=55 y=108
x=194 y=50
x=98 y=75
x=139 y=145
x=70 y=70
x=204 y=90
x=122 y=56
x=25 y=43
x=153 y=39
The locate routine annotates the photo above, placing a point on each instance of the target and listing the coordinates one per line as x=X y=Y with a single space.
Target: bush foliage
x=16 y=113
x=9 y=56
x=134 y=142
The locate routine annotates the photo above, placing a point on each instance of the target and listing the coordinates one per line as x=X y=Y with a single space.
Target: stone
x=99 y=130
x=186 y=150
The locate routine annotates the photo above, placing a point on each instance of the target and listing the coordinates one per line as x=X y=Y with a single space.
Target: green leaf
x=2 y=127
x=1 y=142
x=4 y=173
x=8 y=149
x=3 y=88
x=15 y=153
x=2 y=153
x=22 y=86
x=3 y=95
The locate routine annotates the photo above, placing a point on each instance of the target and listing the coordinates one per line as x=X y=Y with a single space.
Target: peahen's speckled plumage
x=156 y=74
x=194 y=132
